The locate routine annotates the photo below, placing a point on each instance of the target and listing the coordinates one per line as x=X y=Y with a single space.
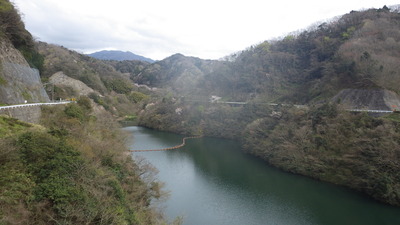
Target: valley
x=322 y=103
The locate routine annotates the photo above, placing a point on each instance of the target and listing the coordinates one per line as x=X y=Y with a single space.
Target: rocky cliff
x=377 y=99
x=63 y=81
x=18 y=81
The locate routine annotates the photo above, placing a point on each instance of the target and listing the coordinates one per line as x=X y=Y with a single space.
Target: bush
x=34 y=58
x=53 y=166
x=136 y=96
x=120 y=86
x=75 y=111
x=326 y=110
x=85 y=103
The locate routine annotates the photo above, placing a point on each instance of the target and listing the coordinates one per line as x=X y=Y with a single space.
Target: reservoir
x=212 y=182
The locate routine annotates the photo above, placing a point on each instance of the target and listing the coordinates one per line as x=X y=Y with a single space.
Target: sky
x=208 y=29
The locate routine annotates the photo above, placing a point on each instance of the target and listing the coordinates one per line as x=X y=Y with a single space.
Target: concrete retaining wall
x=29 y=114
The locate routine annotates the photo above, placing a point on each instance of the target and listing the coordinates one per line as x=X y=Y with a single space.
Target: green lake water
x=211 y=182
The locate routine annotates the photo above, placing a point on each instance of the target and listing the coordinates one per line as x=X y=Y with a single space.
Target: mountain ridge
x=118 y=55
x=358 y=50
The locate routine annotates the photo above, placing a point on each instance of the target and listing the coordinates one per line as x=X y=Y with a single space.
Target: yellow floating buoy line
x=166 y=149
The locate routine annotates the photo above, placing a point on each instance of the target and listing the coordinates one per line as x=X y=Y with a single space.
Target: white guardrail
x=369 y=110
x=33 y=104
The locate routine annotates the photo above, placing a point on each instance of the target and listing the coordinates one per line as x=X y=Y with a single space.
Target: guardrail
x=370 y=110
x=33 y=104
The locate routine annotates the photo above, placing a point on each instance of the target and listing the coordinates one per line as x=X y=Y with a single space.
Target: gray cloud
x=157 y=29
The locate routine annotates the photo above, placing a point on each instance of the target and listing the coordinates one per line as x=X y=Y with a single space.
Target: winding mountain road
x=297 y=106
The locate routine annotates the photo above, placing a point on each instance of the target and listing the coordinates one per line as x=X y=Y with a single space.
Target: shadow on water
x=214 y=177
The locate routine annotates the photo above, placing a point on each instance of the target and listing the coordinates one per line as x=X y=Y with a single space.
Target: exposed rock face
x=62 y=80
x=18 y=82
x=378 y=99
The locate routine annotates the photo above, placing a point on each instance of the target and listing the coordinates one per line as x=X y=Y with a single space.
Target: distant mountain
x=119 y=56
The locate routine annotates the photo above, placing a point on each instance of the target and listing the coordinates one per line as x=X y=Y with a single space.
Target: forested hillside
x=358 y=52
x=119 y=56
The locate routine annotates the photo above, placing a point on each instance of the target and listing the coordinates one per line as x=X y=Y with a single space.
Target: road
x=33 y=104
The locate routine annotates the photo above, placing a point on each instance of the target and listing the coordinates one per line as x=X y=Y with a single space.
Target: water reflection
x=213 y=182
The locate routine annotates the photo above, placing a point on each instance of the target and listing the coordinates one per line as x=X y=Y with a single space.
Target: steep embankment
x=61 y=80
x=376 y=99
x=18 y=81
x=74 y=88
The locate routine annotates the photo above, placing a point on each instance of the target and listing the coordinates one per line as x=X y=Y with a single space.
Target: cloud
x=159 y=28
x=86 y=32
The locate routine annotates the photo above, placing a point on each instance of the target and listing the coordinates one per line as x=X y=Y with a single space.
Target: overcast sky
x=209 y=29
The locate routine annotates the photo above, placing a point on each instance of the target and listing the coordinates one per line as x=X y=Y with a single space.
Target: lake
x=212 y=182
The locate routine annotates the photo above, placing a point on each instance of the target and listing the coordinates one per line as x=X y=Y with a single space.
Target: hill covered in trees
x=357 y=50
x=118 y=56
